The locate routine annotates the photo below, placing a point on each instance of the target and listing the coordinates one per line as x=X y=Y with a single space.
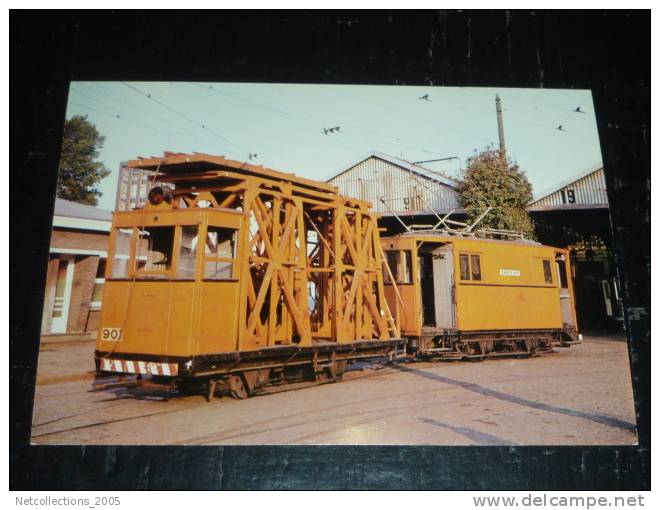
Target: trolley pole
x=500 y=126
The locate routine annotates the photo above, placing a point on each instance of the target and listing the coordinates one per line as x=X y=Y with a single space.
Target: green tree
x=80 y=171
x=489 y=179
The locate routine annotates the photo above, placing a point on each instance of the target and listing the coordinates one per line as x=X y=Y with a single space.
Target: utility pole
x=500 y=127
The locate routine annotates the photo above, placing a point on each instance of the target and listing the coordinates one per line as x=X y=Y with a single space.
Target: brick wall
x=80 y=239
x=94 y=320
x=81 y=293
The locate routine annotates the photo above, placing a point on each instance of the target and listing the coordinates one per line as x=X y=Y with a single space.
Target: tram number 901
x=111 y=334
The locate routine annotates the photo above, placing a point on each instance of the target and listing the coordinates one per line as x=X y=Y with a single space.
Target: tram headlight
x=160 y=194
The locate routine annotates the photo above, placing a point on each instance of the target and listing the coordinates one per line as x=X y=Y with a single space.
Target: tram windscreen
x=122 y=253
x=400 y=263
x=185 y=267
x=219 y=253
x=154 y=258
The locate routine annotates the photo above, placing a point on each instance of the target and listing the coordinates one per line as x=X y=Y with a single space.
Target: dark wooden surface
x=607 y=52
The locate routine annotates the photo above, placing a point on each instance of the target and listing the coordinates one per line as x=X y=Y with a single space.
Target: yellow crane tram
x=234 y=275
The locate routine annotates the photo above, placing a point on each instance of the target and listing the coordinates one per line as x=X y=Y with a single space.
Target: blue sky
x=283 y=124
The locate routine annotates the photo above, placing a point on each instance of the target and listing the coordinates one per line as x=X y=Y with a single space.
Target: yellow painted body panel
x=406 y=315
x=507 y=307
x=155 y=317
x=500 y=302
x=218 y=320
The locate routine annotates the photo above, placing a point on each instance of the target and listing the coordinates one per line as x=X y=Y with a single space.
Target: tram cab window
x=470 y=266
x=122 y=253
x=475 y=266
x=406 y=266
x=219 y=253
x=465 y=266
x=392 y=262
x=155 y=245
x=547 y=271
x=187 y=252
x=400 y=263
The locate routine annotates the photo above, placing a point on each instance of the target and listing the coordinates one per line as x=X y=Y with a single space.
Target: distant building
x=575 y=215
x=586 y=190
x=396 y=186
x=76 y=267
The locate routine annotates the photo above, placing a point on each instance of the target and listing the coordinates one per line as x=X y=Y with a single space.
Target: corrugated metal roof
x=71 y=209
x=394 y=185
x=418 y=169
x=587 y=189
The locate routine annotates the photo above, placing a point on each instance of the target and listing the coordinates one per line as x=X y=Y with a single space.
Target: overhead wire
x=123 y=119
x=189 y=119
x=205 y=130
x=316 y=123
x=124 y=99
x=121 y=115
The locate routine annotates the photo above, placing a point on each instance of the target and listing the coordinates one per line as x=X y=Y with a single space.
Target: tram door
x=564 y=291
x=443 y=283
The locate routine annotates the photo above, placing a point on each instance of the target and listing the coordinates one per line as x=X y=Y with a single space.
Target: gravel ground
x=581 y=395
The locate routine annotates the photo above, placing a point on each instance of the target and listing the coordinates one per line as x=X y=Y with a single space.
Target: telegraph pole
x=500 y=127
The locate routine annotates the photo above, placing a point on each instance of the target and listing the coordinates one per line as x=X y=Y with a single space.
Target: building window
x=60 y=286
x=97 y=291
x=470 y=266
x=219 y=253
x=547 y=271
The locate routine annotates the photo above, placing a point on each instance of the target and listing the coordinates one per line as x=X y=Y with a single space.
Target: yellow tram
x=237 y=275
x=466 y=296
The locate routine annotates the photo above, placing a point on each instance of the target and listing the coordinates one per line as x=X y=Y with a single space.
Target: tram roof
x=177 y=163
x=443 y=236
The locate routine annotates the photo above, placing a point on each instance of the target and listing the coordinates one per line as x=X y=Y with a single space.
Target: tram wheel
x=237 y=388
x=341 y=368
x=210 y=389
